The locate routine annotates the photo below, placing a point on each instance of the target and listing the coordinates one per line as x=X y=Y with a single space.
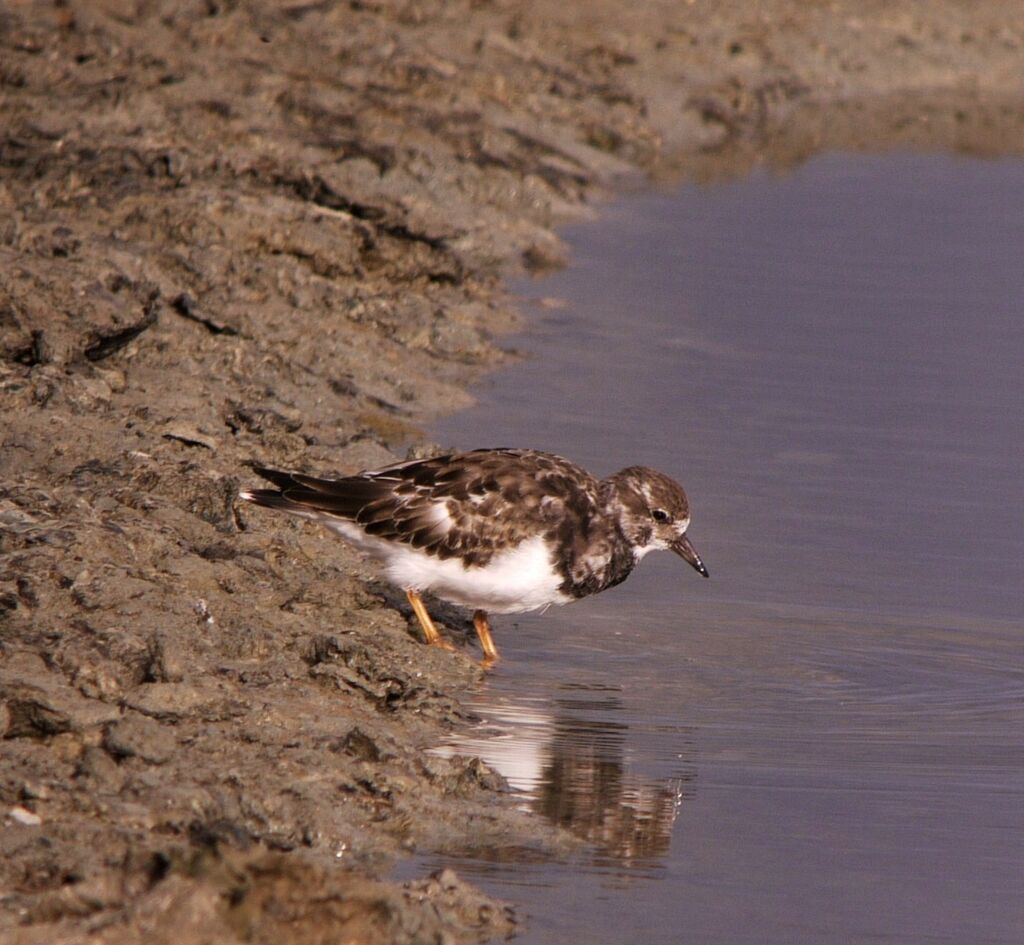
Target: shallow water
x=823 y=742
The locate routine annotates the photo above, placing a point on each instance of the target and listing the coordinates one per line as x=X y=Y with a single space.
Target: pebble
x=25 y=817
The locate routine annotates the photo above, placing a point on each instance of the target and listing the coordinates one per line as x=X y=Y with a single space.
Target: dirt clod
x=137 y=736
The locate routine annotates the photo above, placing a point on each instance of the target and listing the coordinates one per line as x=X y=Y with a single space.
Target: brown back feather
x=493 y=500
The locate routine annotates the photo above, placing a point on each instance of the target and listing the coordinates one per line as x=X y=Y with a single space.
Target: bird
x=501 y=530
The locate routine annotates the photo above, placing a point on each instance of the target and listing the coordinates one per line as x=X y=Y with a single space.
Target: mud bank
x=275 y=232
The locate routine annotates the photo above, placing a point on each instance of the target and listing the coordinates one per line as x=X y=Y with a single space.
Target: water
x=823 y=743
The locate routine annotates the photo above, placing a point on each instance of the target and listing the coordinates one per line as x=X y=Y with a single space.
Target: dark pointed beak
x=684 y=548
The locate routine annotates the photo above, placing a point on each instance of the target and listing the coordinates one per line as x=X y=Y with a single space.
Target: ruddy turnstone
x=499 y=530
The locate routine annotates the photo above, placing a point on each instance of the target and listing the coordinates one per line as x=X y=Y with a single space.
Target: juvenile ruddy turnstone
x=499 y=530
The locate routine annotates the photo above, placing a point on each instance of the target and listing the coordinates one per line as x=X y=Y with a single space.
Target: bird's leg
x=434 y=638
x=483 y=631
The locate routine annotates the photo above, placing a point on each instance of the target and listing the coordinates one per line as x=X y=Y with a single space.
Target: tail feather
x=271 y=500
x=305 y=495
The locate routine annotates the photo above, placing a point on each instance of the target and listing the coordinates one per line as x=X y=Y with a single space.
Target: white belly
x=518 y=580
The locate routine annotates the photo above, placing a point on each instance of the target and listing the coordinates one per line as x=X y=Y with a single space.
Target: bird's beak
x=683 y=547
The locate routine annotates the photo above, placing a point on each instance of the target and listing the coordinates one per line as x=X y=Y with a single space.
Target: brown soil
x=275 y=232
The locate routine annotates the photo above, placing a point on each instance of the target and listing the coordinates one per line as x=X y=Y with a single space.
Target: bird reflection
x=587 y=788
x=571 y=768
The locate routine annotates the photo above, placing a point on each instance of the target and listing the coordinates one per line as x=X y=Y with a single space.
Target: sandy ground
x=275 y=231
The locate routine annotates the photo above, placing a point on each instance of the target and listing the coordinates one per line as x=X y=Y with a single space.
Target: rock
x=100 y=769
x=463 y=906
x=39 y=704
x=165 y=659
x=361 y=746
x=136 y=736
x=171 y=700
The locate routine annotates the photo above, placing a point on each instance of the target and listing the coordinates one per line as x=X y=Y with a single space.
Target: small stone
x=359 y=745
x=25 y=817
x=34 y=791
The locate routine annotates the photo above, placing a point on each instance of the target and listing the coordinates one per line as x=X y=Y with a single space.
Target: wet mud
x=276 y=233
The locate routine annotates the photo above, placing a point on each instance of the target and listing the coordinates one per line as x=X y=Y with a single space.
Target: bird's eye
x=660 y=515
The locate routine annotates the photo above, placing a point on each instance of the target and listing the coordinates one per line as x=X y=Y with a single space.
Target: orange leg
x=483 y=631
x=434 y=638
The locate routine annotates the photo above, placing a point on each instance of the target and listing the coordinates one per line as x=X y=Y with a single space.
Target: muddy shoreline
x=277 y=232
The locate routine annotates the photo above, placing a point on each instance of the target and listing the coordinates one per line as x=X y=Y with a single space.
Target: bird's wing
x=474 y=504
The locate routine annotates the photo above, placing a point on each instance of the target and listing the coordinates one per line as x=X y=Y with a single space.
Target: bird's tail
x=309 y=497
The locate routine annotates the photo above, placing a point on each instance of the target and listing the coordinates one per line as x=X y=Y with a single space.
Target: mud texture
x=275 y=232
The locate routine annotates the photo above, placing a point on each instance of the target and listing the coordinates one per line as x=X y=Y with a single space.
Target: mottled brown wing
x=473 y=504
x=480 y=503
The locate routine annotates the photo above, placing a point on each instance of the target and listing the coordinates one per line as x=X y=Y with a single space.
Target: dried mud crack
x=275 y=232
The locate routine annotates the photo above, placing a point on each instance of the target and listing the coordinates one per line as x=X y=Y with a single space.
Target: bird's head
x=654 y=513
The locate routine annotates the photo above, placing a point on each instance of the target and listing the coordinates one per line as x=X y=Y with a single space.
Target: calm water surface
x=823 y=743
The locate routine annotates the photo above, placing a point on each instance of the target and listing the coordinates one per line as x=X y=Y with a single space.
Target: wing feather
x=473 y=504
